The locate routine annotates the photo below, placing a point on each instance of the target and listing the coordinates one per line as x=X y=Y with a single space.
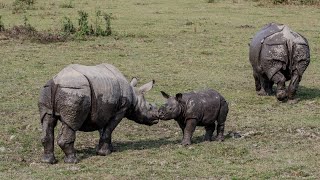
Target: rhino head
x=172 y=108
x=142 y=111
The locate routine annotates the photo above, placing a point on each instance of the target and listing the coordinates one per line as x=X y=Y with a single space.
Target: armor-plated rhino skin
x=278 y=54
x=89 y=98
x=203 y=108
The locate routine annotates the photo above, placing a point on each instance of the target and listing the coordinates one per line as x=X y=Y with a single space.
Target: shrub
x=20 y=6
x=68 y=27
x=67 y=5
x=291 y=2
x=84 y=28
x=1 y=24
x=107 y=18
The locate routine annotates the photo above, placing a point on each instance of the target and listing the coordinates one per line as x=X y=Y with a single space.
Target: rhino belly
x=209 y=106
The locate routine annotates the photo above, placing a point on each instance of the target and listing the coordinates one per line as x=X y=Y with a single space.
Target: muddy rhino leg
x=262 y=85
x=209 y=132
x=221 y=121
x=66 y=139
x=182 y=125
x=105 y=145
x=280 y=80
x=48 y=124
x=268 y=87
x=293 y=86
x=188 y=131
x=257 y=81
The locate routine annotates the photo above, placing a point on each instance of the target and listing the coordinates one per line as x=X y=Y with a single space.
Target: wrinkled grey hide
x=278 y=54
x=204 y=108
x=89 y=98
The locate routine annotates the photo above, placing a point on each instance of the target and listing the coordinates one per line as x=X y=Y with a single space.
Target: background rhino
x=278 y=54
x=203 y=108
x=89 y=98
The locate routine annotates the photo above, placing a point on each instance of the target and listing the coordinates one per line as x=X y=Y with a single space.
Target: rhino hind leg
x=293 y=86
x=209 y=132
x=263 y=86
x=280 y=80
x=48 y=123
x=221 y=121
x=66 y=140
x=268 y=87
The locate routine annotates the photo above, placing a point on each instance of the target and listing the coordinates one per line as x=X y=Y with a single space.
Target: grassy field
x=183 y=45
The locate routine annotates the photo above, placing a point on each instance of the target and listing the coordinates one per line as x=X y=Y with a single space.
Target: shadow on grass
x=122 y=146
x=130 y=145
x=305 y=93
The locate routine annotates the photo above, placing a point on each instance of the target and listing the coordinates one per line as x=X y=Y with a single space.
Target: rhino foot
x=104 y=149
x=262 y=92
x=186 y=142
x=101 y=152
x=49 y=158
x=208 y=138
x=71 y=159
x=220 y=138
x=281 y=95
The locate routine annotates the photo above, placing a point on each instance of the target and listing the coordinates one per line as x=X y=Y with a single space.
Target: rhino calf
x=204 y=108
x=278 y=54
x=89 y=98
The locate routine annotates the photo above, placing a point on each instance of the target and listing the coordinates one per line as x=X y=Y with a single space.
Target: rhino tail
x=93 y=100
x=290 y=53
x=54 y=88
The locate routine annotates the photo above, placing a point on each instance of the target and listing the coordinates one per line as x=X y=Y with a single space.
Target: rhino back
x=258 y=40
x=106 y=85
x=203 y=105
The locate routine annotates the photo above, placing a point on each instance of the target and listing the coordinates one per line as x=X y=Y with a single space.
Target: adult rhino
x=278 y=54
x=89 y=98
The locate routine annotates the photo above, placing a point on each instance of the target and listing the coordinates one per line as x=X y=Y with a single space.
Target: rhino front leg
x=105 y=145
x=182 y=125
x=48 y=124
x=66 y=139
x=188 y=131
x=280 y=80
x=293 y=86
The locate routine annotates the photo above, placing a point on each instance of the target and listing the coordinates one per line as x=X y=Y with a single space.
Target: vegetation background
x=184 y=45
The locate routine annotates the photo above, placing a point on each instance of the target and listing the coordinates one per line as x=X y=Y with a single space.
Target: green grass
x=184 y=45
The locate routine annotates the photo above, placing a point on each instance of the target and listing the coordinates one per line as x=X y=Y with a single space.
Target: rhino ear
x=146 y=87
x=165 y=95
x=134 y=82
x=179 y=97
